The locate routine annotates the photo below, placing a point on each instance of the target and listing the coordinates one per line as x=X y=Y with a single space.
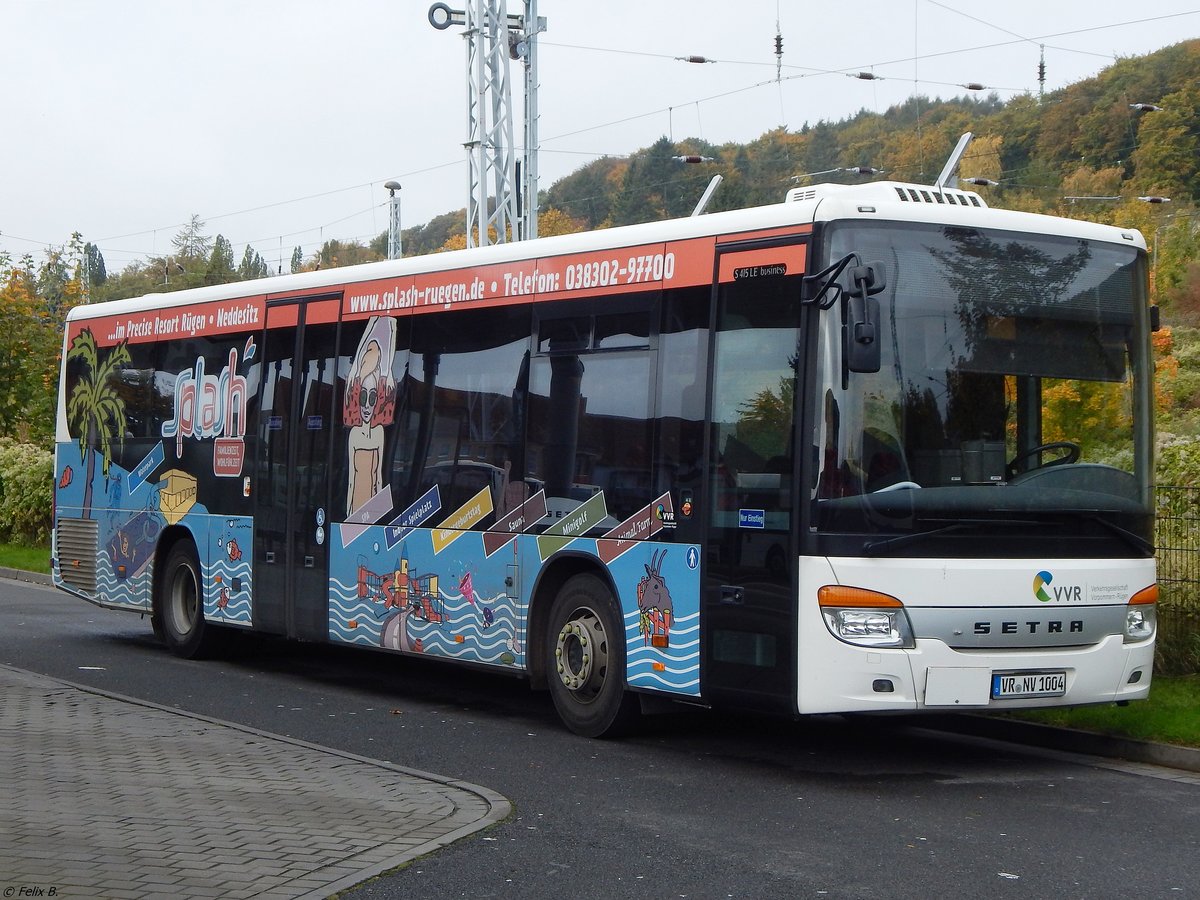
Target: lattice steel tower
x=493 y=38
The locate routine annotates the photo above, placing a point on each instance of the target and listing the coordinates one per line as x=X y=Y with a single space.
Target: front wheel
x=179 y=605
x=585 y=648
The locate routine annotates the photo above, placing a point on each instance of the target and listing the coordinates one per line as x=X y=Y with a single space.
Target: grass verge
x=1170 y=716
x=28 y=559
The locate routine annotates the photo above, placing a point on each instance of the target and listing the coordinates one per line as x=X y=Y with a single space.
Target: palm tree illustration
x=96 y=411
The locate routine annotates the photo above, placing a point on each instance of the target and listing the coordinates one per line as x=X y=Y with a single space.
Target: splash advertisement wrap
x=452 y=600
x=122 y=490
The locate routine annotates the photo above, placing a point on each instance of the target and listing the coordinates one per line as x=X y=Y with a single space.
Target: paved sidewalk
x=106 y=796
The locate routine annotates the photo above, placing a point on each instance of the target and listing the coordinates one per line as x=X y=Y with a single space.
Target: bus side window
x=682 y=379
x=464 y=426
x=591 y=391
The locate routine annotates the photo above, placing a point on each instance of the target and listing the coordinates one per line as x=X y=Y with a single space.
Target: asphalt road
x=697 y=805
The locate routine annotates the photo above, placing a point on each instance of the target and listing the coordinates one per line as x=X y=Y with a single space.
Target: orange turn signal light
x=839 y=595
x=1144 y=596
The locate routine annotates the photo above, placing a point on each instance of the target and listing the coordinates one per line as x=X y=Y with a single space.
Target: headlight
x=865 y=618
x=1141 y=615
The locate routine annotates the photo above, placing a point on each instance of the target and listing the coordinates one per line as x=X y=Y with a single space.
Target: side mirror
x=862 y=350
x=861 y=331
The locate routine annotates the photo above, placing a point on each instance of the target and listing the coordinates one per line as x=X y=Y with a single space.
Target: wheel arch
x=171 y=535
x=550 y=580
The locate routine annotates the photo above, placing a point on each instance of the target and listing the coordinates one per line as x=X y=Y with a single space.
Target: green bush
x=26 y=493
x=1177 y=647
x=1178 y=461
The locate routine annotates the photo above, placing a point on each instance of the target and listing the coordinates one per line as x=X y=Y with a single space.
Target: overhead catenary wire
x=780 y=77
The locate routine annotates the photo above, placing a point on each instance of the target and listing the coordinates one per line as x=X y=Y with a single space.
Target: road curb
x=1070 y=740
x=22 y=575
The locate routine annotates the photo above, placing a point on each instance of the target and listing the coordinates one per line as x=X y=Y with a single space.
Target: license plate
x=1029 y=684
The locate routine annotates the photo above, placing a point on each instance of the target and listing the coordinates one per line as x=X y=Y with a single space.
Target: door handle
x=308 y=562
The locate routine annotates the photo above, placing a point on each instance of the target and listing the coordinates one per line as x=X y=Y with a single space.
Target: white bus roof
x=875 y=201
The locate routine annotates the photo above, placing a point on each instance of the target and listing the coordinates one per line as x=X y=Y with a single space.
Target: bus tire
x=585 y=647
x=179 y=605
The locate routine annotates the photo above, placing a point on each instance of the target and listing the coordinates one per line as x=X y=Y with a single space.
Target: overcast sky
x=278 y=121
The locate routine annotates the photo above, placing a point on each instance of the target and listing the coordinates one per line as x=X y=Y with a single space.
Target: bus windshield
x=1012 y=400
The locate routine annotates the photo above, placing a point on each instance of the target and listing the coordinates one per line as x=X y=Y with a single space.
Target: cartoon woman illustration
x=370 y=404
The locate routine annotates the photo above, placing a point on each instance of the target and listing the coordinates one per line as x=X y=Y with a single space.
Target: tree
x=191 y=244
x=336 y=253
x=52 y=279
x=220 y=262
x=587 y=193
x=297 y=260
x=379 y=245
x=648 y=181
x=252 y=265
x=94 y=266
x=1168 y=141
x=29 y=344
x=555 y=221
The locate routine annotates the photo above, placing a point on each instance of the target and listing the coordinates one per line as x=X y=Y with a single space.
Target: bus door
x=749 y=614
x=291 y=489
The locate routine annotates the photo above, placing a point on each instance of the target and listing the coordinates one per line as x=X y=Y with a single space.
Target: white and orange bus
x=824 y=456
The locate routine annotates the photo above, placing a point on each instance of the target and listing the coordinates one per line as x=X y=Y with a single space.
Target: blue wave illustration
x=130 y=592
x=679 y=663
x=464 y=633
x=219 y=580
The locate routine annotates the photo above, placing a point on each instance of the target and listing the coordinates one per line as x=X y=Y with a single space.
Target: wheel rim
x=183 y=601
x=581 y=655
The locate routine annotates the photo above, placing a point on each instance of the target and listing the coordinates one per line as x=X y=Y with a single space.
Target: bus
x=877 y=448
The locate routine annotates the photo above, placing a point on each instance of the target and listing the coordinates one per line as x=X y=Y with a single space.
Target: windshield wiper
x=879 y=547
x=1136 y=541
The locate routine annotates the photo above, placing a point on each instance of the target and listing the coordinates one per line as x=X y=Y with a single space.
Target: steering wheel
x=1070 y=456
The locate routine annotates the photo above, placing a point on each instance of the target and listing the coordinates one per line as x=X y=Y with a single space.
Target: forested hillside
x=1085 y=151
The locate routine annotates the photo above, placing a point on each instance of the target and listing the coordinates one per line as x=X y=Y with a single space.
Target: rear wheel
x=585 y=647
x=179 y=606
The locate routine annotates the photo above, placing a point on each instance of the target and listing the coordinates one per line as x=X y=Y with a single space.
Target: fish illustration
x=234 y=551
x=67 y=475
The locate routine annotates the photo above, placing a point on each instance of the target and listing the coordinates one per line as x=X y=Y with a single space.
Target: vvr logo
x=1040 y=580
x=1067 y=593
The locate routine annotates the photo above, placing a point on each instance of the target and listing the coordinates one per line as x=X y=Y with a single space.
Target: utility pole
x=394 y=251
x=493 y=37
x=525 y=49
x=1042 y=75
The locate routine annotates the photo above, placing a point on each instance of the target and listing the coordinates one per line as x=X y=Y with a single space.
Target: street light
x=1145 y=107
x=393 y=188
x=982 y=182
